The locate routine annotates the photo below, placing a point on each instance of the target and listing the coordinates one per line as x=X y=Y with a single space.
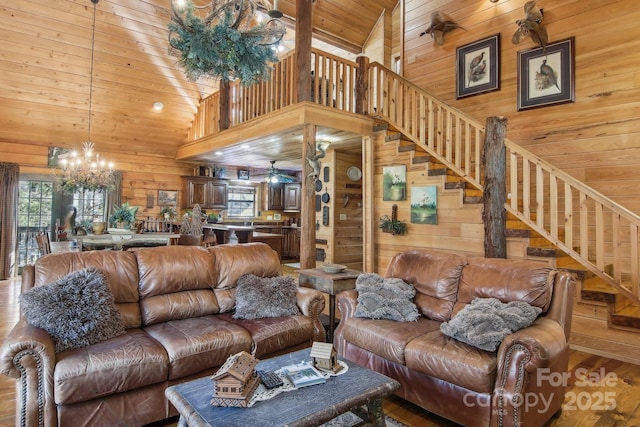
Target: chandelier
x=86 y=172
x=225 y=39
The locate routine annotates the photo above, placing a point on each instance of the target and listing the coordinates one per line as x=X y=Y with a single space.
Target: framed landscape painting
x=394 y=182
x=167 y=197
x=546 y=76
x=424 y=205
x=478 y=67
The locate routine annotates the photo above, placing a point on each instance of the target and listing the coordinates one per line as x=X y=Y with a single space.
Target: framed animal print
x=478 y=67
x=546 y=76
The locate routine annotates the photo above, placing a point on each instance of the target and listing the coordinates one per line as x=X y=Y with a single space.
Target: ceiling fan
x=274 y=175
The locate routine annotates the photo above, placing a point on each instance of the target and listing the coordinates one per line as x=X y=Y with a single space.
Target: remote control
x=269 y=378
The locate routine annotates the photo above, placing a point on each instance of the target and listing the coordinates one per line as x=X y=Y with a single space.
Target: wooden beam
x=303 y=49
x=308 y=213
x=495 y=188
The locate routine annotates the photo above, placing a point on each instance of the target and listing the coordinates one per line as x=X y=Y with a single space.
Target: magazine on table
x=303 y=374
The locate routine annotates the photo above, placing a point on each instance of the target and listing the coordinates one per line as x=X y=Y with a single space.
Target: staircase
x=563 y=221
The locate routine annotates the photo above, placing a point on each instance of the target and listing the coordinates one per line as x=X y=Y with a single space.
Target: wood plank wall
x=348 y=212
x=459 y=229
x=594 y=139
x=142 y=174
x=378 y=46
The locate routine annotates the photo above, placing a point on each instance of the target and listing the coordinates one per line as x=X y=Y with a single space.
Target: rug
x=293 y=265
x=350 y=419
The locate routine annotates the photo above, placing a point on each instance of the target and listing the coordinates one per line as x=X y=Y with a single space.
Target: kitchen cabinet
x=282 y=197
x=274 y=197
x=209 y=193
x=291 y=202
x=291 y=242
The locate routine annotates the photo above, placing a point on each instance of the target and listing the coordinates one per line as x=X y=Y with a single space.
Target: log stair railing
x=592 y=229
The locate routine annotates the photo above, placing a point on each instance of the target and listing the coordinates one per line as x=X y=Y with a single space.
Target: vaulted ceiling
x=45 y=62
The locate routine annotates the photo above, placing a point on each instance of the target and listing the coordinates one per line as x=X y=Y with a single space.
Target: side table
x=329 y=283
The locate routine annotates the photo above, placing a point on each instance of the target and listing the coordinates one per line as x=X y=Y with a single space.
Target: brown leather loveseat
x=177 y=306
x=513 y=386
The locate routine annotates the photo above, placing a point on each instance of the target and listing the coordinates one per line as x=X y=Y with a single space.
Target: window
x=35 y=207
x=90 y=206
x=241 y=202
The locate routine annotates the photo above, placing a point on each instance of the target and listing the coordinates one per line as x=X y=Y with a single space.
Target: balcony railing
x=332 y=80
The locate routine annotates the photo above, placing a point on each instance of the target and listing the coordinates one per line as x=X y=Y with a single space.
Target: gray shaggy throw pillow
x=258 y=297
x=385 y=298
x=486 y=322
x=76 y=310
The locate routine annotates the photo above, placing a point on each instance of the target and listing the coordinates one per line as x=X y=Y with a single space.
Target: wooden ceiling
x=45 y=62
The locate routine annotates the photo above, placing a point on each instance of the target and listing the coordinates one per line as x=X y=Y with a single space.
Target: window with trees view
x=241 y=202
x=40 y=206
x=35 y=207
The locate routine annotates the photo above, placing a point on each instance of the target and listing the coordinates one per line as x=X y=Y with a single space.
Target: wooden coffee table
x=307 y=406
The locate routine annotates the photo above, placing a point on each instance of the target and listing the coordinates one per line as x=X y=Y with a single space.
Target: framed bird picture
x=478 y=67
x=546 y=75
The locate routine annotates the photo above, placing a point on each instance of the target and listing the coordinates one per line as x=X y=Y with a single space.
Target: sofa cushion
x=175 y=283
x=232 y=261
x=435 y=276
x=127 y=362
x=198 y=343
x=273 y=334
x=506 y=280
x=385 y=298
x=119 y=267
x=386 y=338
x=486 y=322
x=76 y=310
x=439 y=356
x=258 y=297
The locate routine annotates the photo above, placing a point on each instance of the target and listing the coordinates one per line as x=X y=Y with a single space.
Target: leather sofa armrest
x=528 y=361
x=346 y=302
x=28 y=354
x=311 y=303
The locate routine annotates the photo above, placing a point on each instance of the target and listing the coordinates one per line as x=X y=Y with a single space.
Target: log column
x=308 y=212
x=362 y=85
x=303 y=49
x=303 y=90
x=494 y=214
x=225 y=104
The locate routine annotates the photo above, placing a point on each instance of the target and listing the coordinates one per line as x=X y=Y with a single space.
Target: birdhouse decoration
x=235 y=381
x=325 y=357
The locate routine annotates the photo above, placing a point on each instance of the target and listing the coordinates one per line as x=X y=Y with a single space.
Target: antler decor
x=226 y=42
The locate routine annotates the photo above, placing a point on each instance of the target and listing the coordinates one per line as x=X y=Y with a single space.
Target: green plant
x=168 y=211
x=124 y=213
x=393 y=226
x=220 y=46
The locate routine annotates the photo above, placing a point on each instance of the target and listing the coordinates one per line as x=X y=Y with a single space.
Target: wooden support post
x=303 y=49
x=225 y=103
x=362 y=85
x=308 y=213
x=495 y=189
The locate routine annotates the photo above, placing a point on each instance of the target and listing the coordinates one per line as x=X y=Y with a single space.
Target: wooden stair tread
x=630 y=311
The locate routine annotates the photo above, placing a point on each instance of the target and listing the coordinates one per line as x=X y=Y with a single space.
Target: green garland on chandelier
x=222 y=45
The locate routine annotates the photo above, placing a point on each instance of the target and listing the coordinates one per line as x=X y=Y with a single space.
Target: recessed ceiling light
x=158 y=106
x=218 y=153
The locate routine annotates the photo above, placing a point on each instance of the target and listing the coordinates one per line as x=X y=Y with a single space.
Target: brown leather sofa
x=514 y=386
x=176 y=303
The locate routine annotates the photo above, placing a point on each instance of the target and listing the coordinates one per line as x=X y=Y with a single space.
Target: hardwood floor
x=594 y=382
